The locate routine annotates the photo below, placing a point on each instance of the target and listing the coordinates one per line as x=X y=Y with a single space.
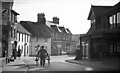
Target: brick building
x=61 y=38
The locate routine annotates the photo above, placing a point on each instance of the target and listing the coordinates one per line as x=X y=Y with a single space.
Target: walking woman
x=19 y=52
x=42 y=54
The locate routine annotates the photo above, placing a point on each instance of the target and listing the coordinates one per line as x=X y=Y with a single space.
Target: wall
x=23 y=47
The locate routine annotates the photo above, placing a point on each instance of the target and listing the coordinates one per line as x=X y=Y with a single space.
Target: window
x=63 y=36
x=19 y=36
x=27 y=50
x=15 y=18
x=118 y=18
x=93 y=24
x=11 y=32
x=25 y=38
x=22 y=37
x=56 y=36
x=12 y=17
x=22 y=48
x=14 y=33
x=112 y=20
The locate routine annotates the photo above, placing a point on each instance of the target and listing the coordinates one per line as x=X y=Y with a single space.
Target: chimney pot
x=56 y=20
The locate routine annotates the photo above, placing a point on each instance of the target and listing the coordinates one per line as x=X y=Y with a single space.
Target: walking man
x=42 y=54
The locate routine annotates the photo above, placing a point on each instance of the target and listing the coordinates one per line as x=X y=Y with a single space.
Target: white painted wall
x=22 y=44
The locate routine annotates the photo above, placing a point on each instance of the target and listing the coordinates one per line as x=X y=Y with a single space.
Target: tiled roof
x=20 y=28
x=37 y=29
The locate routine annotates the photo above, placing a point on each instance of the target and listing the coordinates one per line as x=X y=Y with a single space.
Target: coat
x=42 y=53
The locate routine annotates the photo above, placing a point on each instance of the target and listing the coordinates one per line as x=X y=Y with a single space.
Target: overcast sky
x=72 y=13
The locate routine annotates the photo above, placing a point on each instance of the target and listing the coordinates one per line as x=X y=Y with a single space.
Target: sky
x=73 y=14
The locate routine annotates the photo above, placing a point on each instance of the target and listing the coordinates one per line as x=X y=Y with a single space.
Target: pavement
x=112 y=64
x=21 y=65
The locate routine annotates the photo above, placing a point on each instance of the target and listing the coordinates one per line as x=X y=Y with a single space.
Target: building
x=0 y=29
x=75 y=38
x=102 y=39
x=8 y=26
x=40 y=34
x=61 y=38
x=23 y=40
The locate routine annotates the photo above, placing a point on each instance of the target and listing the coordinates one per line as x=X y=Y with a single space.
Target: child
x=37 y=58
x=48 y=58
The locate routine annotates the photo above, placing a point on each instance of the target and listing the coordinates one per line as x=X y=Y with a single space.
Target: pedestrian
x=37 y=59
x=19 y=52
x=14 y=51
x=37 y=55
x=42 y=54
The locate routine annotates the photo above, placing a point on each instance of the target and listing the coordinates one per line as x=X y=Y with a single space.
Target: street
x=58 y=63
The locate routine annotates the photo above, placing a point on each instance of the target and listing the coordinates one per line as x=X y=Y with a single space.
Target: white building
x=23 y=40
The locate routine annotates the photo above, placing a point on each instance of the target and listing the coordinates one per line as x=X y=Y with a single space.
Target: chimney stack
x=56 y=20
x=41 y=18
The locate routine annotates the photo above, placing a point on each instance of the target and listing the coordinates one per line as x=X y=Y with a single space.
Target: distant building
x=103 y=37
x=61 y=38
x=76 y=39
x=41 y=34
